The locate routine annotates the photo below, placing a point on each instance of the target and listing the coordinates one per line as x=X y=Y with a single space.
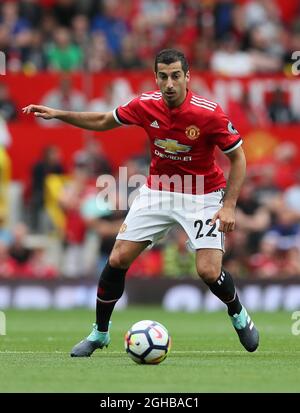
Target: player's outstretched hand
x=40 y=111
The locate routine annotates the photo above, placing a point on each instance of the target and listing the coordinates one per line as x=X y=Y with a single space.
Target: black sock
x=225 y=290
x=110 y=289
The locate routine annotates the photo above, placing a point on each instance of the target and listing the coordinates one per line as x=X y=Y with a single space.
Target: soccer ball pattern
x=147 y=342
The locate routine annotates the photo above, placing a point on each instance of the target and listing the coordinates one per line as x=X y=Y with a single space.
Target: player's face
x=172 y=82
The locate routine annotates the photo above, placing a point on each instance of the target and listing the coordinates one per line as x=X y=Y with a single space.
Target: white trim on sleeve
x=234 y=147
x=116 y=117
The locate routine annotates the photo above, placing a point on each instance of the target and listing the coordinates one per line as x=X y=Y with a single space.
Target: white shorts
x=153 y=213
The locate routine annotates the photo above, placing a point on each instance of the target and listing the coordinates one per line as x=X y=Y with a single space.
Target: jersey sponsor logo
x=231 y=129
x=192 y=132
x=155 y=124
x=173 y=157
x=171 y=146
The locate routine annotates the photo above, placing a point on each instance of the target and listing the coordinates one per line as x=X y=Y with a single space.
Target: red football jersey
x=183 y=140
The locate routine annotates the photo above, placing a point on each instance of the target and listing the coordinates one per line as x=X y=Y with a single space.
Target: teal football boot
x=246 y=330
x=96 y=339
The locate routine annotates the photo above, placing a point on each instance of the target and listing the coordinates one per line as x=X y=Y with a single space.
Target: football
x=147 y=342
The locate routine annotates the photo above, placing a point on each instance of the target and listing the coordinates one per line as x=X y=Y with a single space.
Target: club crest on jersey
x=192 y=132
x=171 y=146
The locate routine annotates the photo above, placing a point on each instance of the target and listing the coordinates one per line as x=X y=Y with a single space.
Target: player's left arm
x=226 y=214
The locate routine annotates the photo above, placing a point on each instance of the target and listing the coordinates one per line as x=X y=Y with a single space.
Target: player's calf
x=223 y=287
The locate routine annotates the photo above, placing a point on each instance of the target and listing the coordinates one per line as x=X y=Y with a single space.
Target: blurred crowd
x=230 y=37
x=69 y=226
x=66 y=228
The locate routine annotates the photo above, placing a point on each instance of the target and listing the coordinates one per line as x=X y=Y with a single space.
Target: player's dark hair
x=168 y=56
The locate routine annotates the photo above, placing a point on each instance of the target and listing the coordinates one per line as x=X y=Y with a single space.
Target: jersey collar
x=183 y=104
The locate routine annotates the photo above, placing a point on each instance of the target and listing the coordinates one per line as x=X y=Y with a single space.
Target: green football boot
x=95 y=340
x=246 y=330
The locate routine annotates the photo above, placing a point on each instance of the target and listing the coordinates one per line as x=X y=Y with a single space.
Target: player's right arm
x=96 y=121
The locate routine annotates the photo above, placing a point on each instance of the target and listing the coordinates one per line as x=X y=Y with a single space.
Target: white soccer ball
x=147 y=342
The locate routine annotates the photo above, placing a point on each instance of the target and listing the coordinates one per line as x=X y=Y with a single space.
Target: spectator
x=148 y=264
x=260 y=12
x=128 y=58
x=285 y=160
x=178 y=260
x=18 y=249
x=119 y=90
x=64 y=97
x=98 y=55
x=291 y=263
x=236 y=253
x=266 y=189
x=155 y=17
x=107 y=227
x=286 y=230
x=19 y=34
x=49 y=164
x=71 y=199
x=35 y=58
x=228 y=60
x=265 y=263
x=251 y=217
x=80 y=28
x=6 y=262
x=11 y=19
x=64 y=11
x=37 y=266
x=5 y=169
x=31 y=11
x=246 y=114
x=5 y=41
x=63 y=55
x=8 y=110
x=279 y=110
x=92 y=159
x=104 y=103
x=5 y=234
x=291 y=195
x=111 y=25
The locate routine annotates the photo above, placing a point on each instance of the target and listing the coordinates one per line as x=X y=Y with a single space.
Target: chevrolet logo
x=171 y=146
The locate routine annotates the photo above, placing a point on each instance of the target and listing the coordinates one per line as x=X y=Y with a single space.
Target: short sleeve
x=129 y=114
x=223 y=133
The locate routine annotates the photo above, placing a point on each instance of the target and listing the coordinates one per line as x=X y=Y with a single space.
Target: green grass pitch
x=206 y=355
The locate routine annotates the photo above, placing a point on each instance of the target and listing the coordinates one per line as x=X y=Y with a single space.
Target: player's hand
x=226 y=217
x=40 y=111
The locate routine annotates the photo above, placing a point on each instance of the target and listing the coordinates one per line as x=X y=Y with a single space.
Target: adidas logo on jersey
x=155 y=124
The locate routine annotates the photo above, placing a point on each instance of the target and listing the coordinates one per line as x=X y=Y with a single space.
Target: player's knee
x=119 y=258
x=208 y=272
